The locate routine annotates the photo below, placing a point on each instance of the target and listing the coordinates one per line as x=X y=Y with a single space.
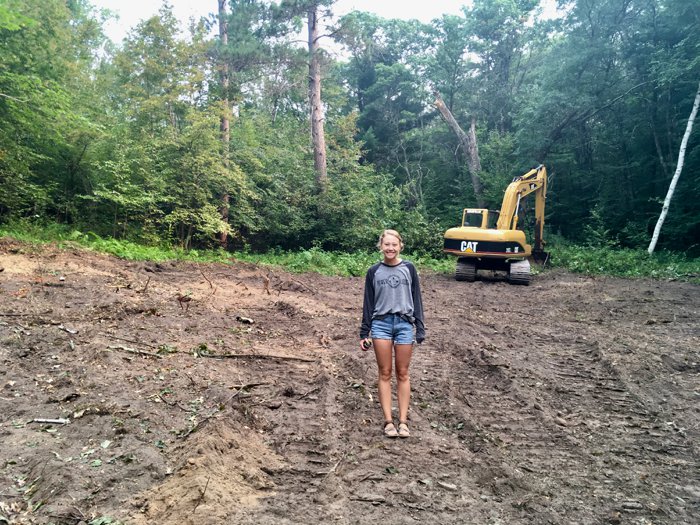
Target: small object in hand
x=366 y=344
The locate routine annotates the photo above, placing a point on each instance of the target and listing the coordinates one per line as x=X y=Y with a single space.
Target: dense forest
x=279 y=125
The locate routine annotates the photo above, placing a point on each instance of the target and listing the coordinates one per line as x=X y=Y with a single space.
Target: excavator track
x=519 y=273
x=466 y=270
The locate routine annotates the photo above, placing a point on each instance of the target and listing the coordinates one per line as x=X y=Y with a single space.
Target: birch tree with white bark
x=676 y=175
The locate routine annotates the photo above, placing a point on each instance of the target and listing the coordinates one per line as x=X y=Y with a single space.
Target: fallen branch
x=201 y=496
x=369 y=498
x=59 y=421
x=146 y=286
x=201 y=422
x=135 y=351
x=175 y=404
x=241 y=389
x=127 y=340
x=248 y=385
x=24 y=314
x=332 y=470
x=310 y=392
x=256 y=356
x=207 y=279
x=198 y=425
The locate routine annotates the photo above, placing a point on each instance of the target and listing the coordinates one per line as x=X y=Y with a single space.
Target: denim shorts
x=393 y=328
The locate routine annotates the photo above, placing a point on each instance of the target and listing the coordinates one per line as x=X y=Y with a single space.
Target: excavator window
x=493 y=218
x=473 y=219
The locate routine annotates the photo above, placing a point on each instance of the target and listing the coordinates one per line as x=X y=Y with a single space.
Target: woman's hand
x=365 y=344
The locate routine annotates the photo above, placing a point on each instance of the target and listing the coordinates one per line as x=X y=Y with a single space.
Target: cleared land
x=197 y=394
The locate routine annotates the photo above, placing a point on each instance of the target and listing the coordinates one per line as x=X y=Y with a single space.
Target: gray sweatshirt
x=392 y=290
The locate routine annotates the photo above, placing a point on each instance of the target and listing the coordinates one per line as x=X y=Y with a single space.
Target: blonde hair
x=394 y=233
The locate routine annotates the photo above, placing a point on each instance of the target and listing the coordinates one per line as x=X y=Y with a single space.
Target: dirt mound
x=203 y=393
x=206 y=486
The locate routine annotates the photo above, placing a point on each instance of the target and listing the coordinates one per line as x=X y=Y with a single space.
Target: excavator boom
x=534 y=180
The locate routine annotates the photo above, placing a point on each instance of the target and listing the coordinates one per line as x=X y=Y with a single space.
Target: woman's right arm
x=367 y=304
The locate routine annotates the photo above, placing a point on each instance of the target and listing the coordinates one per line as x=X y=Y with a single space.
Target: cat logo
x=468 y=246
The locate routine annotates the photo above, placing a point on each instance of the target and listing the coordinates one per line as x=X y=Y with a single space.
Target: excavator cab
x=479 y=218
x=475 y=218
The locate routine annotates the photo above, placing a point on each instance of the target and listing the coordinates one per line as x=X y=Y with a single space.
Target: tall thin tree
x=676 y=175
x=316 y=106
x=225 y=132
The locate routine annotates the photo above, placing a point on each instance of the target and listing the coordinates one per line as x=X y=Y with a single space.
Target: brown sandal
x=403 y=430
x=390 y=430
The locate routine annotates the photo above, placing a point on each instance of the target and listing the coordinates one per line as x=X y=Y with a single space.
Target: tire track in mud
x=642 y=453
x=580 y=421
x=304 y=432
x=566 y=441
x=310 y=444
x=565 y=402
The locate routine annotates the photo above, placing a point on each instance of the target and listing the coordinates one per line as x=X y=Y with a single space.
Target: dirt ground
x=183 y=393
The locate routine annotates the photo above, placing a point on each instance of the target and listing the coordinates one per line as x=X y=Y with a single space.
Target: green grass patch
x=66 y=237
x=579 y=259
x=301 y=261
x=337 y=263
x=625 y=263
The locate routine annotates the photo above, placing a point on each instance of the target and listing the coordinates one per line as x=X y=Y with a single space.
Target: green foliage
x=45 y=90
x=599 y=103
x=65 y=236
x=499 y=165
x=596 y=232
x=338 y=263
x=127 y=143
x=625 y=262
x=11 y=20
x=575 y=258
x=313 y=260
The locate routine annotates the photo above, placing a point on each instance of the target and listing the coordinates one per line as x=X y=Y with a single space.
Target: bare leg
x=382 y=351
x=403 y=382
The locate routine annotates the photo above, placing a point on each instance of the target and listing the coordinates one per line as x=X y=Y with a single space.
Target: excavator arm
x=535 y=181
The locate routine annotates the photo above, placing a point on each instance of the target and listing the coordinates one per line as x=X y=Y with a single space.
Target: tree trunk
x=225 y=133
x=317 y=134
x=470 y=146
x=676 y=175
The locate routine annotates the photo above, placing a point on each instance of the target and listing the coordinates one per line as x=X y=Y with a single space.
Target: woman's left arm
x=417 y=305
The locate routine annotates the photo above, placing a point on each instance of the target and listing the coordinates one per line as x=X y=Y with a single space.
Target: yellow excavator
x=478 y=245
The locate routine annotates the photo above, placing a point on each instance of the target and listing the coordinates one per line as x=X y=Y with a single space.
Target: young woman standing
x=392 y=313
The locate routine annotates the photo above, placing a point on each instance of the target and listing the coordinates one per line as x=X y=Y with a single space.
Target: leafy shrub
x=625 y=262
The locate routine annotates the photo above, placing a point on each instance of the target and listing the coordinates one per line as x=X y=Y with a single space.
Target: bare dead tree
x=471 y=149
